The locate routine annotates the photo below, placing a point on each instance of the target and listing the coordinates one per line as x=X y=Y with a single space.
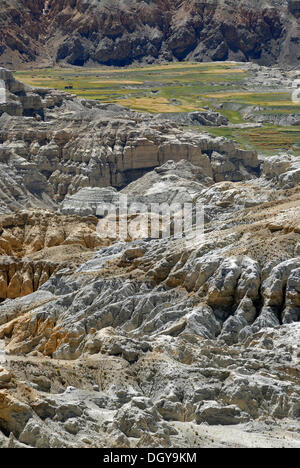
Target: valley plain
x=242 y=92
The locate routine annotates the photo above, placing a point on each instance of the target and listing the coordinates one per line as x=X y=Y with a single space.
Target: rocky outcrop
x=206 y=118
x=240 y=278
x=162 y=399
x=78 y=144
x=283 y=169
x=87 y=200
x=170 y=183
x=28 y=232
x=36 y=244
x=146 y=339
x=19 y=99
x=118 y=33
x=20 y=278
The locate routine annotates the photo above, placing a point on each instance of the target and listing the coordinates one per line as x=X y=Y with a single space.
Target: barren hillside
x=119 y=32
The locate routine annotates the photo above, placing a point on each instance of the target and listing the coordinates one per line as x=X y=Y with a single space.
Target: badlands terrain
x=144 y=341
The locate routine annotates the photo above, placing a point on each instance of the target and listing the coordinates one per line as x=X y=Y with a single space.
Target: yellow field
x=113 y=82
x=156 y=105
x=227 y=95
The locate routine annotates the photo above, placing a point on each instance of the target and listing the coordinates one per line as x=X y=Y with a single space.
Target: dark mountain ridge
x=121 y=32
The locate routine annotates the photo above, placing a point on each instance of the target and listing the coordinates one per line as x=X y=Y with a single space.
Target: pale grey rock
x=226 y=386
x=19 y=98
x=283 y=169
x=88 y=201
x=140 y=416
x=275 y=285
x=72 y=426
x=291 y=312
x=13 y=443
x=206 y=118
x=3 y=441
x=173 y=182
x=231 y=288
x=223 y=198
x=107 y=341
x=208 y=392
x=22 y=184
x=171 y=411
x=35 y=434
x=10 y=309
x=233 y=326
x=268 y=318
x=154 y=331
x=249 y=392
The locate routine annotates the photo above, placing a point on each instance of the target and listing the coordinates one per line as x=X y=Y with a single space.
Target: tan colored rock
x=15 y=286
x=28 y=232
x=3 y=284
x=14 y=414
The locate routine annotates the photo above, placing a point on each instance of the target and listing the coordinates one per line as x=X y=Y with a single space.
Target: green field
x=267 y=139
x=179 y=87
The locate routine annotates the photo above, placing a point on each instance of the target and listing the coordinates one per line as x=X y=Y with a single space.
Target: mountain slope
x=119 y=32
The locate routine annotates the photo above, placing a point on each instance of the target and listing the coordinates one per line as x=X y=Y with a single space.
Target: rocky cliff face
x=54 y=144
x=119 y=33
x=36 y=244
x=149 y=339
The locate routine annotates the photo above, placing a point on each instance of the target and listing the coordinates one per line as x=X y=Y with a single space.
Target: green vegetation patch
x=180 y=87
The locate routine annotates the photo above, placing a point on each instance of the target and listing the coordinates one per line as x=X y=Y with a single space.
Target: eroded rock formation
x=78 y=144
x=137 y=342
x=36 y=244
